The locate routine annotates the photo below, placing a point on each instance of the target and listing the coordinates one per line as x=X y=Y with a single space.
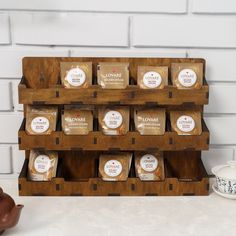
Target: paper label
x=40 y=124
x=42 y=164
x=149 y=162
x=152 y=79
x=113 y=119
x=187 y=77
x=113 y=168
x=185 y=123
x=76 y=77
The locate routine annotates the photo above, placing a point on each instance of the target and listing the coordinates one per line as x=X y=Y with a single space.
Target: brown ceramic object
x=9 y=212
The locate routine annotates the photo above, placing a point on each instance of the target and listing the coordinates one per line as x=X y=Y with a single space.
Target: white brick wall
x=213 y=6
x=184 y=31
x=4 y=29
x=70 y=29
x=158 y=6
x=152 y=28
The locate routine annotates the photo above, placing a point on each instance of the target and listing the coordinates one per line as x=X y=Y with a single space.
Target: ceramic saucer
x=226 y=195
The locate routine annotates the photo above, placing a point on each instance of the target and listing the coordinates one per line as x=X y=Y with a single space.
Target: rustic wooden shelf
x=77 y=173
x=180 y=180
x=132 y=95
x=41 y=84
x=96 y=140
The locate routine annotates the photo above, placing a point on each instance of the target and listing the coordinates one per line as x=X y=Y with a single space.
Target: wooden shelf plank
x=98 y=141
x=132 y=95
x=171 y=186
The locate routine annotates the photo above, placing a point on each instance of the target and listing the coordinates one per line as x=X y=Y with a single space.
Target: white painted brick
x=216 y=156
x=4 y=29
x=11 y=59
x=213 y=6
x=184 y=31
x=9 y=126
x=18 y=157
x=5 y=160
x=222 y=129
x=220 y=63
x=17 y=106
x=136 y=52
x=5 y=96
x=70 y=29
x=177 y=6
x=220 y=100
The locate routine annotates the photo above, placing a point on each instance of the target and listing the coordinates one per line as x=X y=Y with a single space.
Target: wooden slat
x=132 y=95
x=98 y=141
x=173 y=185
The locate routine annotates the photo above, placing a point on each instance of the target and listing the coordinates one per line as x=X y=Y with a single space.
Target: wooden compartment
x=41 y=85
x=77 y=175
x=96 y=140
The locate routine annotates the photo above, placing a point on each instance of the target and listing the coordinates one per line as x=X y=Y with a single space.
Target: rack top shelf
x=41 y=85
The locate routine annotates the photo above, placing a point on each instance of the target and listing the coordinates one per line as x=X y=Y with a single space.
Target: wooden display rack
x=77 y=173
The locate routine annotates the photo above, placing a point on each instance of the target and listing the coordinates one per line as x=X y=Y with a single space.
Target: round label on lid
x=185 y=123
x=113 y=168
x=187 y=77
x=149 y=162
x=42 y=163
x=76 y=77
x=152 y=79
x=40 y=124
x=113 y=119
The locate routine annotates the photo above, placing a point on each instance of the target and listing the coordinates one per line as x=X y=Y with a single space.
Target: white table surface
x=95 y=216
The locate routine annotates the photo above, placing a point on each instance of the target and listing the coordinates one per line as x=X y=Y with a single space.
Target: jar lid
x=226 y=171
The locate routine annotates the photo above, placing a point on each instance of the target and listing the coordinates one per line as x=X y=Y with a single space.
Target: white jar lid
x=226 y=171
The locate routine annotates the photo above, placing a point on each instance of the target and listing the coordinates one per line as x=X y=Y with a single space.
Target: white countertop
x=95 y=216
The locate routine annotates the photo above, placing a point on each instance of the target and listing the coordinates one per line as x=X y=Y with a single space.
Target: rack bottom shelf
x=184 y=171
x=97 y=187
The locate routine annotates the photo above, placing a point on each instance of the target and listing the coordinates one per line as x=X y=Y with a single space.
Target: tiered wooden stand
x=77 y=173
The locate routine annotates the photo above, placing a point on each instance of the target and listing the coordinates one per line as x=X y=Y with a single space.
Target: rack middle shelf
x=96 y=140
